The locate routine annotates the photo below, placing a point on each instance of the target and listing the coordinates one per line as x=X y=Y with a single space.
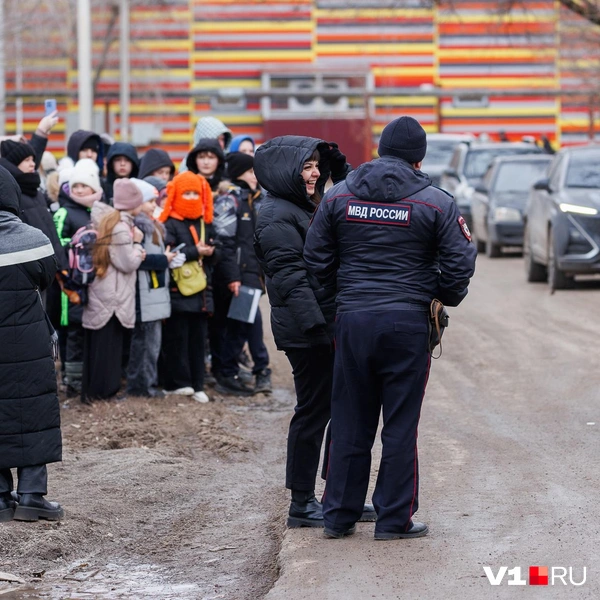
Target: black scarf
x=28 y=182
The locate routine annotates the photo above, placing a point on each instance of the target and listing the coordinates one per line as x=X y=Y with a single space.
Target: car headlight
x=504 y=213
x=579 y=210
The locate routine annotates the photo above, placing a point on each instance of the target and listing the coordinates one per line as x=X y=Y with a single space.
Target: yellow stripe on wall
x=485 y=82
x=259 y=26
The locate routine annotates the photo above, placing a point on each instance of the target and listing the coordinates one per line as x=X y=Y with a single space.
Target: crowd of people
x=134 y=317
x=150 y=261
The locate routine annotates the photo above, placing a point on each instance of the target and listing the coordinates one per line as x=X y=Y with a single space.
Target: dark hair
x=315 y=156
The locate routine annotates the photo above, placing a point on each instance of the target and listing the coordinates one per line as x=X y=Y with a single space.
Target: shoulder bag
x=190 y=278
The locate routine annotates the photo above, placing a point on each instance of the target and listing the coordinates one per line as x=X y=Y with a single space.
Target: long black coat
x=29 y=411
x=302 y=311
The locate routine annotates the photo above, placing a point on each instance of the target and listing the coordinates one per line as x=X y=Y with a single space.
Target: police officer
x=391 y=242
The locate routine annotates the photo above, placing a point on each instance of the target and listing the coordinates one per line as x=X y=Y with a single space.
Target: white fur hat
x=86 y=171
x=149 y=192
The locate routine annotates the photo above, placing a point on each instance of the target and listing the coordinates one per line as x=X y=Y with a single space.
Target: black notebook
x=243 y=307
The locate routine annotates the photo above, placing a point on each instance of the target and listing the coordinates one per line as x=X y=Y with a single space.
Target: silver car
x=562 y=219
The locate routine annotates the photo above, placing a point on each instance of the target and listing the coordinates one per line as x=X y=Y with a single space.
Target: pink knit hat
x=126 y=195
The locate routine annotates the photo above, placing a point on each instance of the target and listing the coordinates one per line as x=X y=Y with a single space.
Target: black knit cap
x=404 y=138
x=238 y=163
x=15 y=152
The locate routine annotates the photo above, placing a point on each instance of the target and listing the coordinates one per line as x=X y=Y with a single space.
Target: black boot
x=34 y=506
x=7 y=507
x=305 y=510
x=232 y=385
x=263 y=382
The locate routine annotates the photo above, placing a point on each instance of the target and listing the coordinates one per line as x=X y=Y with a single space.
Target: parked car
x=498 y=202
x=440 y=147
x=562 y=219
x=469 y=164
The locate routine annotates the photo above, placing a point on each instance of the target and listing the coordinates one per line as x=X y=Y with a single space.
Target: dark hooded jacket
x=118 y=149
x=386 y=236
x=155 y=159
x=29 y=411
x=78 y=139
x=301 y=310
x=34 y=210
x=208 y=145
x=70 y=217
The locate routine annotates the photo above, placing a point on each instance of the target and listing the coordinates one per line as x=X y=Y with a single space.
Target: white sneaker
x=184 y=391
x=200 y=397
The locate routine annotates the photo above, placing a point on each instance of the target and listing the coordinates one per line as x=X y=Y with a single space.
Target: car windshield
x=519 y=177
x=478 y=161
x=584 y=171
x=439 y=152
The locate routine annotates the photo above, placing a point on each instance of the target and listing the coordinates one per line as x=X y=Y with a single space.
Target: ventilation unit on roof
x=316 y=103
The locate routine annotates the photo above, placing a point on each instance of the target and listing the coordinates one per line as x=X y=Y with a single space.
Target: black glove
x=337 y=160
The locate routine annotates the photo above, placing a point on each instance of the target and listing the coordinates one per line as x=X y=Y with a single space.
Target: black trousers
x=102 y=359
x=313 y=373
x=381 y=363
x=217 y=325
x=31 y=480
x=183 y=350
x=237 y=334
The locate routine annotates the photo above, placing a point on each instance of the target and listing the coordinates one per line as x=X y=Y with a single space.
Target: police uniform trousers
x=381 y=363
x=313 y=372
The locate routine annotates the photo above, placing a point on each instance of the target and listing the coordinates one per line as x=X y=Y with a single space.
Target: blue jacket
x=386 y=236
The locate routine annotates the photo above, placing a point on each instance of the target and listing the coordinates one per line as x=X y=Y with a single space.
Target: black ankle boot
x=34 y=506
x=305 y=510
x=7 y=507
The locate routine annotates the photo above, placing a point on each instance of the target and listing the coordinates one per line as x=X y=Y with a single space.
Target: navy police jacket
x=386 y=236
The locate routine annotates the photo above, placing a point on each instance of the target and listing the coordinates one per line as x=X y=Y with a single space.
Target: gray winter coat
x=153 y=301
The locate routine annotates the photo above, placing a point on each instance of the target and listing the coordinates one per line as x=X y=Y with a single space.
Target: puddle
x=110 y=582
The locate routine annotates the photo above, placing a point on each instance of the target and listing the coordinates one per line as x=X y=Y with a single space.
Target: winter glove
x=177 y=261
x=337 y=160
x=47 y=123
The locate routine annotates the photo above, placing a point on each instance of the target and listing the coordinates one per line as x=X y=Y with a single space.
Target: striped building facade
x=459 y=66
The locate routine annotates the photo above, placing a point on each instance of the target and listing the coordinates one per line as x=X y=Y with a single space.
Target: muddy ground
x=163 y=499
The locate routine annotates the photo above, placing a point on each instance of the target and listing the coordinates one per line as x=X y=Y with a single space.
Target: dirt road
x=508 y=448
x=164 y=499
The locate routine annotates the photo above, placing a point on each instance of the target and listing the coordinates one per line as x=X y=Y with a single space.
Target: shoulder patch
x=378 y=213
x=443 y=190
x=464 y=228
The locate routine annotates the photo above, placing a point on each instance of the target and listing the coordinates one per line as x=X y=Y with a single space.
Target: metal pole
x=124 y=69
x=2 y=72
x=84 y=63
x=19 y=83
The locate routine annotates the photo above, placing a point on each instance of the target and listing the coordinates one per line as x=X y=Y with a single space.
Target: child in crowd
x=235 y=220
x=242 y=143
x=188 y=216
x=122 y=161
x=85 y=144
x=153 y=301
x=157 y=163
x=111 y=307
x=207 y=159
x=77 y=197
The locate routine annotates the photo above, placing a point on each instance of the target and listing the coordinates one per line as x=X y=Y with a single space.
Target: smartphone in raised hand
x=49 y=106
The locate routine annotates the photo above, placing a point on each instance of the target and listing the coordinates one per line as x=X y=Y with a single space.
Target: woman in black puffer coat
x=29 y=413
x=294 y=170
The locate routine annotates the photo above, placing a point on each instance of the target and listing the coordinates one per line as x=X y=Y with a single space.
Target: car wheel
x=534 y=272
x=557 y=279
x=492 y=250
